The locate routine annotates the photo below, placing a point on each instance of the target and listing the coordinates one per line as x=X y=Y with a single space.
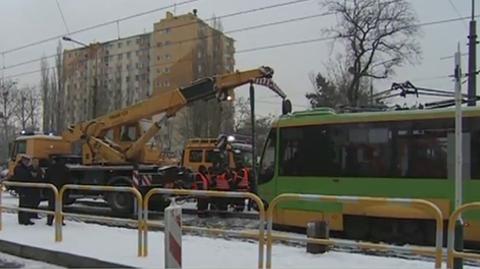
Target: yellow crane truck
x=106 y=150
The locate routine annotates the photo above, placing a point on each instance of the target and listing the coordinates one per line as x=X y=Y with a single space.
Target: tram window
x=267 y=164
x=196 y=156
x=307 y=151
x=420 y=149
x=409 y=149
x=365 y=151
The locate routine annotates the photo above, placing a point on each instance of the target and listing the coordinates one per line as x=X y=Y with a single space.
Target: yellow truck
x=106 y=150
x=237 y=150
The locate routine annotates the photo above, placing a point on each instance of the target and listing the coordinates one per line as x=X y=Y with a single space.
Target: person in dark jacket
x=57 y=174
x=22 y=173
x=38 y=175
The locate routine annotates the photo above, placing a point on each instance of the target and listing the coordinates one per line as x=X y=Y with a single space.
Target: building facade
x=103 y=77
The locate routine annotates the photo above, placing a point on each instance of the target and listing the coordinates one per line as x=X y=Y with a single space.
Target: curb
x=55 y=257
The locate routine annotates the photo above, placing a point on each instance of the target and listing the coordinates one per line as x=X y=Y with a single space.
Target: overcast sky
x=26 y=21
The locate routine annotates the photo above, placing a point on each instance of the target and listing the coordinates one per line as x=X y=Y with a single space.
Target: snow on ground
x=9 y=261
x=119 y=245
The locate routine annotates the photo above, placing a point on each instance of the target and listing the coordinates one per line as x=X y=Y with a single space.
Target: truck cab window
x=196 y=156
x=267 y=164
x=128 y=133
x=20 y=147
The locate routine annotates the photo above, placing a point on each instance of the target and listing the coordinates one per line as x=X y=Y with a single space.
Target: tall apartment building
x=107 y=76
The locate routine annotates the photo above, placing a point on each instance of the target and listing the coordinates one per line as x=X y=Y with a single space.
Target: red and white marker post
x=173 y=236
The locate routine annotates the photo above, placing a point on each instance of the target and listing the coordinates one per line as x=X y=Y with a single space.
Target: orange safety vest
x=244 y=182
x=222 y=183
x=203 y=180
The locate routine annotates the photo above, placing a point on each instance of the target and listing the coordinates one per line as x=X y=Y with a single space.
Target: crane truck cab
x=37 y=146
x=233 y=150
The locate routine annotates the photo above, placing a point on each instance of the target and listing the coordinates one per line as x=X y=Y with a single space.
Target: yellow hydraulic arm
x=169 y=103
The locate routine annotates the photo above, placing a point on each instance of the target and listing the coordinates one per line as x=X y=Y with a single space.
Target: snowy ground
x=119 y=245
x=9 y=261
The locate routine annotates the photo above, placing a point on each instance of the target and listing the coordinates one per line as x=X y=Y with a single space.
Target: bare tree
x=330 y=88
x=45 y=88
x=8 y=106
x=53 y=100
x=22 y=114
x=378 y=36
x=60 y=104
x=27 y=102
x=243 y=124
x=32 y=107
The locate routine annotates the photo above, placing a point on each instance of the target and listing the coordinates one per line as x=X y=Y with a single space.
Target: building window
x=167 y=43
x=119 y=45
x=167 y=56
x=166 y=83
x=166 y=70
x=128 y=55
x=128 y=42
x=200 y=68
x=159 y=44
x=127 y=78
x=158 y=58
x=165 y=31
x=120 y=56
x=136 y=78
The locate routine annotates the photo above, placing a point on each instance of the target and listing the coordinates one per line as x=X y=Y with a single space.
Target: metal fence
x=426 y=205
x=451 y=252
x=56 y=212
x=142 y=222
x=134 y=191
x=219 y=194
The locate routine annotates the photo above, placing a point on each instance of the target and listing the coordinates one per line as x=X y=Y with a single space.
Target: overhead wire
x=88 y=28
x=455 y=9
x=115 y=21
x=280 y=45
x=63 y=17
x=207 y=36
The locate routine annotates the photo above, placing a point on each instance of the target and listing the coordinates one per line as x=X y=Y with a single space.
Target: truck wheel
x=121 y=203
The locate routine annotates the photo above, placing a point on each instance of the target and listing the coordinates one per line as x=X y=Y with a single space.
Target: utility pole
x=472 y=60
x=458 y=263
x=254 y=137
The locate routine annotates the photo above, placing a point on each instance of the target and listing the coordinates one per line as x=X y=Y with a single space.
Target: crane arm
x=168 y=102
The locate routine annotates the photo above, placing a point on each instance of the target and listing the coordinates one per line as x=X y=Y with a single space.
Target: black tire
x=121 y=203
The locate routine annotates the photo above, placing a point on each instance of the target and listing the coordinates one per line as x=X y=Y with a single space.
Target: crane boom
x=168 y=102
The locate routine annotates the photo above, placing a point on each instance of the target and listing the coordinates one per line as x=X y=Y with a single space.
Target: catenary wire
x=285 y=44
x=115 y=21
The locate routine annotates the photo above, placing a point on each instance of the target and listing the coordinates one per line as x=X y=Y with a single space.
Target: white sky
x=25 y=21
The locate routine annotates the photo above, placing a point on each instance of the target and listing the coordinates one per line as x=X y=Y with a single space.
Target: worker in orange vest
x=202 y=182
x=243 y=180
x=223 y=181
